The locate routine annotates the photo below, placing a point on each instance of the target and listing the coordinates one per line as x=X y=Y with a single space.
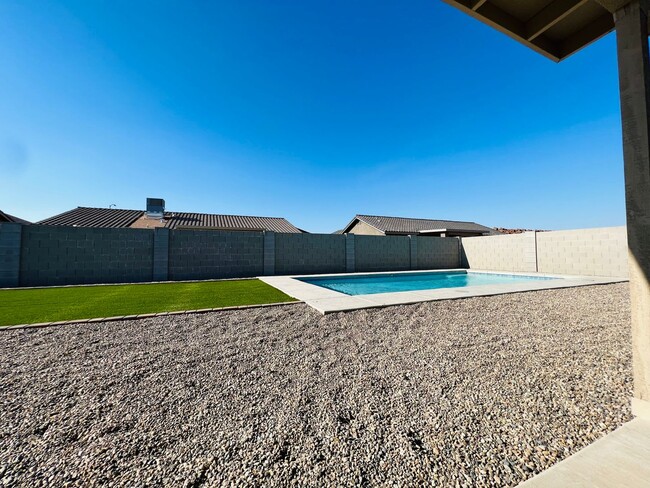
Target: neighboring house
x=156 y=216
x=5 y=217
x=383 y=226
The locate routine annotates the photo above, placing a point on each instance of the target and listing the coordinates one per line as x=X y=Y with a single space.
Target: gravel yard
x=477 y=392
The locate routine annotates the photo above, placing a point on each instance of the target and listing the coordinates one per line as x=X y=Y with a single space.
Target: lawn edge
x=143 y=316
x=88 y=285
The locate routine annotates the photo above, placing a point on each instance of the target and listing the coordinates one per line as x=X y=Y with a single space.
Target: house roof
x=240 y=222
x=95 y=217
x=403 y=225
x=5 y=217
x=505 y=230
x=119 y=218
x=554 y=28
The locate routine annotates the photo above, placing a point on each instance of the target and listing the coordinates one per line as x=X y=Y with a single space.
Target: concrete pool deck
x=330 y=301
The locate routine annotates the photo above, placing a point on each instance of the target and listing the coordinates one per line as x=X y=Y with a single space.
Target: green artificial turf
x=87 y=302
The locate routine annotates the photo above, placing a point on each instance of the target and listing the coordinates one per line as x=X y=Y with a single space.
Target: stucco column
x=634 y=77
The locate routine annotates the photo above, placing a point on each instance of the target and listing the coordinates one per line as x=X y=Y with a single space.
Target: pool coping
x=329 y=301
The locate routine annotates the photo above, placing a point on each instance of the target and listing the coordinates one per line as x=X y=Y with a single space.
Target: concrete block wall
x=36 y=255
x=52 y=255
x=582 y=252
x=269 y=253
x=585 y=252
x=515 y=252
x=436 y=252
x=379 y=253
x=210 y=254
x=350 y=264
x=160 y=254
x=413 y=252
x=309 y=253
x=10 y=238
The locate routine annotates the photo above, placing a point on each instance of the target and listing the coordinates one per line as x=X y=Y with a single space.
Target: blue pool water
x=387 y=283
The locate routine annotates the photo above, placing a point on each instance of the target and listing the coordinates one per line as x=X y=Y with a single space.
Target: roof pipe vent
x=155 y=208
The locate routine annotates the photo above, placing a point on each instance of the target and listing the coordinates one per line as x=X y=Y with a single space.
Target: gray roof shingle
x=403 y=225
x=5 y=217
x=218 y=221
x=119 y=218
x=94 y=217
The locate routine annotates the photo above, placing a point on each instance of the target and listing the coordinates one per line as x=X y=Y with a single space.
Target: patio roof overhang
x=554 y=28
x=557 y=29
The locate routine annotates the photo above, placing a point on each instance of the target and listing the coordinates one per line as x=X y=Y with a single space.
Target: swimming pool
x=343 y=292
x=393 y=282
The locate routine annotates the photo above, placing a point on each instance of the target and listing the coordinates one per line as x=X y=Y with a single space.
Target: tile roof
x=402 y=225
x=95 y=217
x=118 y=218
x=505 y=230
x=177 y=220
x=5 y=217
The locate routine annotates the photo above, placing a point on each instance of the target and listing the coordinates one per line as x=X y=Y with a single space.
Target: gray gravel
x=476 y=392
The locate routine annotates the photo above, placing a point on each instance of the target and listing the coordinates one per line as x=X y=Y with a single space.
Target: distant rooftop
x=120 y=218
x=406 y=226
x=95 y=217
x=5 y=217
x=504 y=230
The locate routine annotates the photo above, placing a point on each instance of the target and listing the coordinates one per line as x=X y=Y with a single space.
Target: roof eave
x=519 y=30
x=466 y=231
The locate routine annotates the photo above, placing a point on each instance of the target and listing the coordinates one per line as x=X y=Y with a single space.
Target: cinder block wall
x=375 y=253
x=583 y=252
x=309 y=253
x=10 y=237
x=209 y=254
x=52 y=255
x=514 y=252
x=36 y=255
x=437 y=252
x=588 y=252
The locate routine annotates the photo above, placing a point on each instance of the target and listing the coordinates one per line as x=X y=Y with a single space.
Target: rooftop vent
x=155 y=208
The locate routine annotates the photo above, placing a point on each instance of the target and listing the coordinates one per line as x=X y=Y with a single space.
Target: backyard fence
x=37 y=255
x=585 y=252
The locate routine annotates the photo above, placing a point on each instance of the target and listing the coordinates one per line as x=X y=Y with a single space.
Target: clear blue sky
x=313 y=110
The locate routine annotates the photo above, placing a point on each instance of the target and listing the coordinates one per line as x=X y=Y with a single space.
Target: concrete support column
x=414 y=251
x=350 y=265
x=160 y=254
x=634 y=77
x=10 y=238
x=269 y=253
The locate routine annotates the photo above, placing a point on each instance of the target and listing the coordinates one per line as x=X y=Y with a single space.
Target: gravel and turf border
x=478 y=392
x=142 y=316
x=89 y=285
